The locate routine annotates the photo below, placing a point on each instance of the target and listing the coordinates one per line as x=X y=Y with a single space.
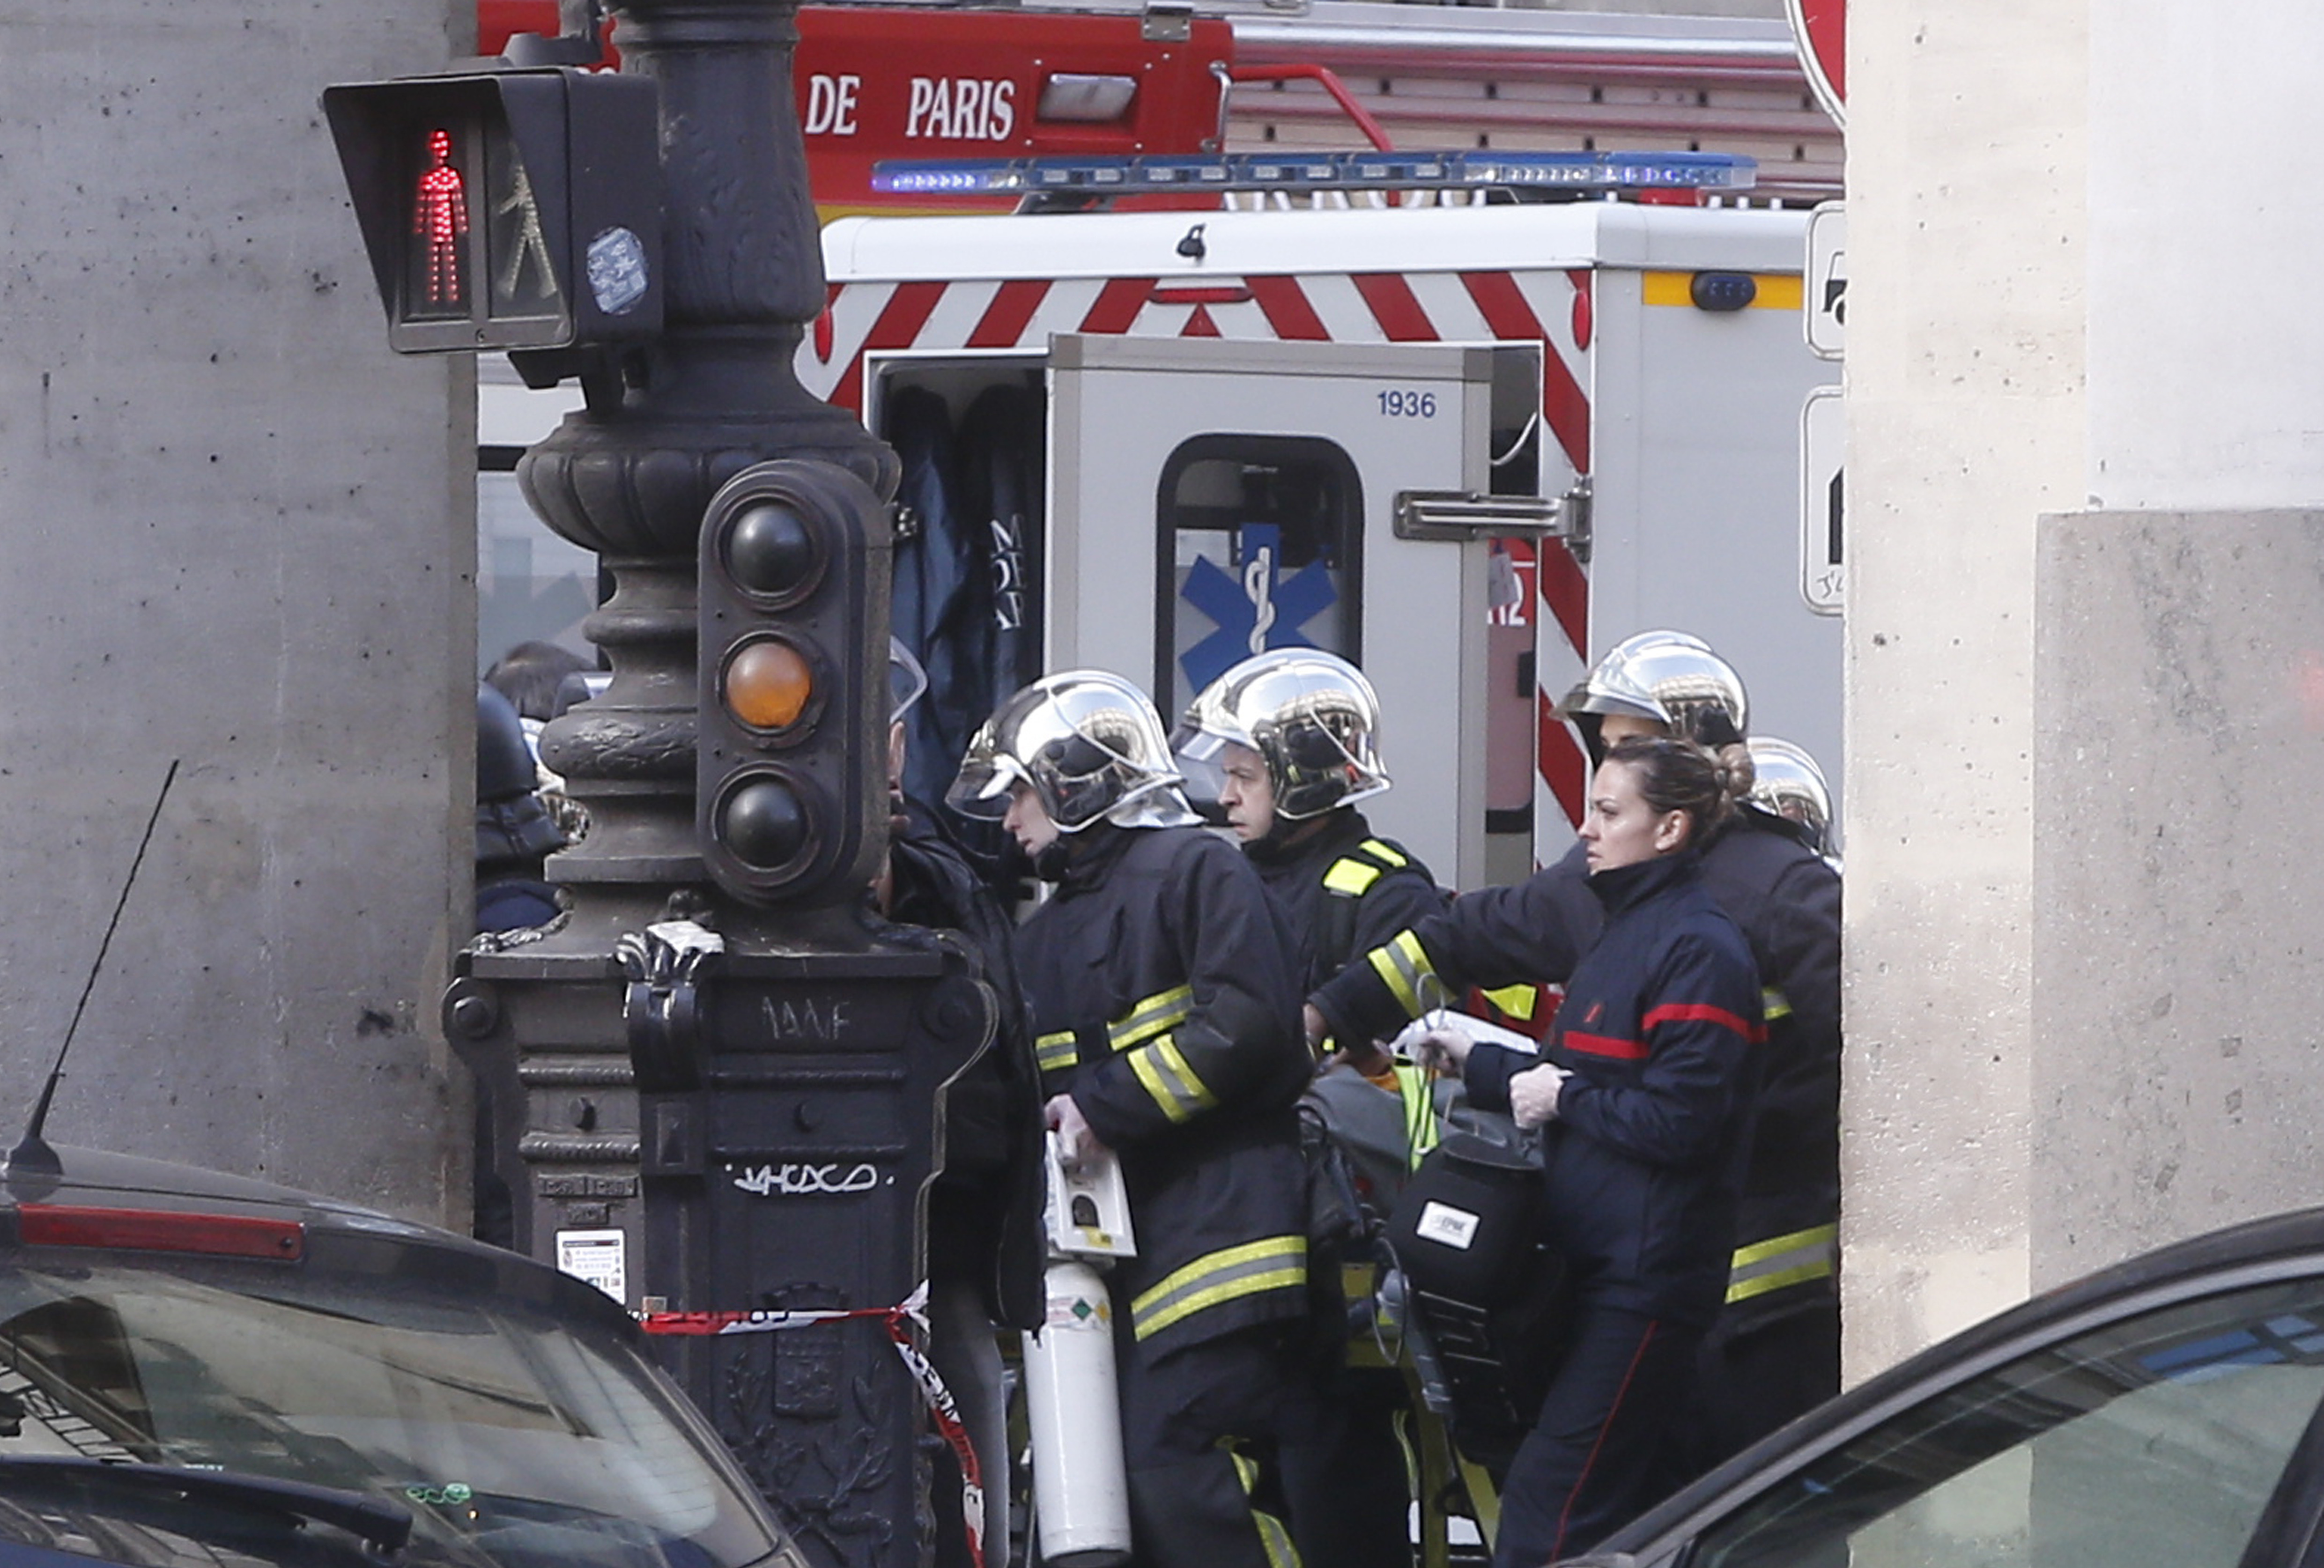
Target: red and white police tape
x=913 y=1309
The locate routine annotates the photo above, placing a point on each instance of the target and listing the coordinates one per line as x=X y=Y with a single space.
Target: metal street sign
x=1823 y=453
x=1820 y=31
x=1824 y=316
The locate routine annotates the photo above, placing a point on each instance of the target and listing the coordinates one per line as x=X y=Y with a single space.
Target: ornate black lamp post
x=662 y=1097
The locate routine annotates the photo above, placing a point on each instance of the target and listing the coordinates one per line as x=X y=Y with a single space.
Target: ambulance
x=1467 y=442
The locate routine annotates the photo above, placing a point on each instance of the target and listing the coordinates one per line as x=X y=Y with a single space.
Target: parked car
x=200 y=1369
x=2166 y=1411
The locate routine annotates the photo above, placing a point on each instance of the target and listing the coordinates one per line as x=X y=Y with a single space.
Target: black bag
x=1465 y=1225
x=1492 y=1299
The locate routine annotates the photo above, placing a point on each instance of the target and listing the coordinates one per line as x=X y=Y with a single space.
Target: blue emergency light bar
x=1582 y=172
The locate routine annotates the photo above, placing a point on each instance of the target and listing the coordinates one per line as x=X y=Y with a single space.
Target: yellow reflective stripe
x=1272 y=1536
x=1404 y=965
x=1165 y=1009
x=1419 y=1112
x=1781 y=1261
x=1515 y=1002
x=1773 y=1004
x=1381 y=849
x=1054 y=1053
x=1163 y=1070
x=1230 y=1274
x=1351 y=879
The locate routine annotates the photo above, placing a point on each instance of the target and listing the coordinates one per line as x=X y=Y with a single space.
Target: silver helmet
x=1670 y=678
x=1090 y=746
x=1311 y=715
x=1786 y=782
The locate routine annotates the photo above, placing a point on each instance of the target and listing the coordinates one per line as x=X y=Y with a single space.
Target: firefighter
x=1164 y=994
x=1644 y=1085
x=1775 y=1351
x=1290 y=738
x=984 y=1246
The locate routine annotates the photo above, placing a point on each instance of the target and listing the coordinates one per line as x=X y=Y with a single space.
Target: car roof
x=2292 y=1243
x=335 y=1229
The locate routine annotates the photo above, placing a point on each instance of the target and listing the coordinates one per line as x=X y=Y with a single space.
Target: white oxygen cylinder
x=1080 y=1493
x=1081 y=1496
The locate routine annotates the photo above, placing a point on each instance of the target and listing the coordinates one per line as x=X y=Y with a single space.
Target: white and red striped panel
x=1552 y=308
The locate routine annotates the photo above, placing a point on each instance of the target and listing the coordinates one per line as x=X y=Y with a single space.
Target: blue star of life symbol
x=1254 y=609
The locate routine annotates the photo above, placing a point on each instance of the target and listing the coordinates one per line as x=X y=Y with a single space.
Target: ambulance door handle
x=1460 y=516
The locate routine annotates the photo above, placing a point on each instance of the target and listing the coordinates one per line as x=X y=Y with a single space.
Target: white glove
x=1078 y=1140
x=1442 y=1050
x=1533 y=1095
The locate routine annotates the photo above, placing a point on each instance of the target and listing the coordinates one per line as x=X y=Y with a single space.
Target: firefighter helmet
x=1311 y=715
x=1786 y=782
x=1090 y=746
x=1670 y=678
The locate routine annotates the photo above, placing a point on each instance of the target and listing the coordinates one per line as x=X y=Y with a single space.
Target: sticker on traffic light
x=791 y=746
x=507 y=209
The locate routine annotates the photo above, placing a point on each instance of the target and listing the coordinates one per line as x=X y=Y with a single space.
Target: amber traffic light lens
x=768 y=683
x=771 y=551
x=763 y=823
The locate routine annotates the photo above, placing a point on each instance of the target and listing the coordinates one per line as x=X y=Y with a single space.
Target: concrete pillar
x=2181 y=655
x=2082 y=748
x=238 y=532
x=2179 y=924
x=1964 y=385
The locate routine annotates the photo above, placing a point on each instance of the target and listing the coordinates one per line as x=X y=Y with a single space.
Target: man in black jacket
x=986 y=1252
x=1287 y=742
x=1163 y=992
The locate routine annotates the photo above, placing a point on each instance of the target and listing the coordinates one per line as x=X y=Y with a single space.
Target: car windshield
x=514 y=1439
x=2157 y=1439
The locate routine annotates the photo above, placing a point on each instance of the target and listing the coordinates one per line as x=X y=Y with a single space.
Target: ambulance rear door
x=1209 y=498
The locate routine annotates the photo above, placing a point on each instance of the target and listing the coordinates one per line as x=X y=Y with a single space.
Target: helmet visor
x=987 y=777
x=1201 y=756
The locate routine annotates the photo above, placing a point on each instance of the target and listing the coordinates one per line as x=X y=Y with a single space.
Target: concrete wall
x=2206 y=353
x=2082 y=751
x=1964 y=381
x=239 y=533
x=2179 y=931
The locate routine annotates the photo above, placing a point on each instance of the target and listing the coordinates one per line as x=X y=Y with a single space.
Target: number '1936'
x=1408 y=405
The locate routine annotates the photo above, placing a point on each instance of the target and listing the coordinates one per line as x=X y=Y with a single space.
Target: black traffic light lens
x=771 y=551
x=764 y=825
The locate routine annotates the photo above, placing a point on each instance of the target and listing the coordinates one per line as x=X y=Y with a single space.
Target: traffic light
x=791 y=780
x=507 y=209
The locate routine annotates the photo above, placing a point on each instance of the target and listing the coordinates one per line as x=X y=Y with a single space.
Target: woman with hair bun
x=1641 y=1093
x=1773 y=1352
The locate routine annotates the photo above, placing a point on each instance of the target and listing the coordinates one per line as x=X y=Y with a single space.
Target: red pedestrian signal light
x=439 y=221
x=507 y=209
x=791 y=779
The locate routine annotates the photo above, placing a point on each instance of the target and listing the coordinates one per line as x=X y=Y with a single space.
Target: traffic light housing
x=507 y=209
x=791 y=777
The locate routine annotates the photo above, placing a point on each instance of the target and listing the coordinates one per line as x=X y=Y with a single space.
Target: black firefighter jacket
x=1785 y=897
x=1165 y=1000
x=1660 y=1024
x=1346 y=892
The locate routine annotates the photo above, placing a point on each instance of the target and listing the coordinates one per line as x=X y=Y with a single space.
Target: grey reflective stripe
x=1054 y=1053
x=1230 y=1274
x=1151 y=1016
x=1784 y=1261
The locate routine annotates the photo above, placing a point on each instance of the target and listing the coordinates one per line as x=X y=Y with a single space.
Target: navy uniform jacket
x=1643 y=1163
x=1165 y=1000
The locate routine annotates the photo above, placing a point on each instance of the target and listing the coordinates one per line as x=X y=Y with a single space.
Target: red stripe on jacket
x=1621 y=1050
x=1703 y=1012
